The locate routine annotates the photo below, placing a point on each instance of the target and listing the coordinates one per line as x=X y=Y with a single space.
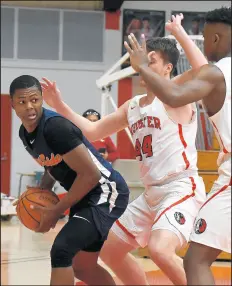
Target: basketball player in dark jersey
x=97 y=194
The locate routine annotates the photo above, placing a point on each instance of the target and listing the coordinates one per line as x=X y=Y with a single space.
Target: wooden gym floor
x=25 y=258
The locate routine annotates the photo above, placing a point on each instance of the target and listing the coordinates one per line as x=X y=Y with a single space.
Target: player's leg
x=87 y=269
x=115 y=254
x=79 y=233
x=197 y=263
x=173 y=225
x=133 y=226
x=162 y=247
x=211 y=234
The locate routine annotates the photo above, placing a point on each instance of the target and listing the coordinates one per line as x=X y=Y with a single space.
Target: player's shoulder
x=60 y=124
x=135 y=100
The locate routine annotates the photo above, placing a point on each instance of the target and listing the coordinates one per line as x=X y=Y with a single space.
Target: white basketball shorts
x=212 y=226
x=172 y=207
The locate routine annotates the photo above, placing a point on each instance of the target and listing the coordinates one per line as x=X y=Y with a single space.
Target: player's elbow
x=90 y=133
x=94 y=178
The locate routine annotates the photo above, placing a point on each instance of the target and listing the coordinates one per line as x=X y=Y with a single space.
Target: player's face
x=27 y=104
x=92 y=117
x=211 y=42
x=158 y=65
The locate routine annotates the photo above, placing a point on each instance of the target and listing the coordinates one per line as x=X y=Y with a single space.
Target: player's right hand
x=51 y=94
x=174 y=25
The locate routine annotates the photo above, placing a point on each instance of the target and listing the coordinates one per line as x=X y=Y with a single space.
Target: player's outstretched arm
x=205 y=80
x=192 y=52
x=93 y=131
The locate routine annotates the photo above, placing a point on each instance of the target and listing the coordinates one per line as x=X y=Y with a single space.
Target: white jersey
x=164 y=148
x=222 y=120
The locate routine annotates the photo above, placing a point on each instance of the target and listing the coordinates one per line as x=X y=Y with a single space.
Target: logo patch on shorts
x=179 y=218
x=200 y=226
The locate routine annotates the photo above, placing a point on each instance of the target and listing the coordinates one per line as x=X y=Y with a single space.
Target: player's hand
x=15 y=202
x=174 y=25
x=137 y=52
x=105 y=155
x=51 y=94
x=48 y=220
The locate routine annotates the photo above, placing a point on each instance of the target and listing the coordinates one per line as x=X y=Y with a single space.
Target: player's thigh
x=198 y=254
x=135 y=224
x=85 y=261
x=212 y=226
x=78 y=234
x=114 y=249
x=164 y=242
x=177 y=219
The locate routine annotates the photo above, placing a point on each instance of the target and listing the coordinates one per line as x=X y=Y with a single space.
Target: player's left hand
x=137 y=52
x=49 y=218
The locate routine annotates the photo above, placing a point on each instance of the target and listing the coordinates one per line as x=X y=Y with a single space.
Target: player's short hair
x=221 y=15
x=167 y=47
x=24 y=81
x=91 y=112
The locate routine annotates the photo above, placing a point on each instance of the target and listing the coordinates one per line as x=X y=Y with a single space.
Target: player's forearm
x=192 y=52
x=47 y=182
x=82 y=185
x=86 y=126
x=164 y=89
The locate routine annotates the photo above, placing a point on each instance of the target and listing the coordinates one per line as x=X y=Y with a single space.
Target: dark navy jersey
x=44 y=149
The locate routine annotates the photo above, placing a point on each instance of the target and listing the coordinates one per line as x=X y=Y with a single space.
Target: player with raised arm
x=211 y=84
x=164 y=137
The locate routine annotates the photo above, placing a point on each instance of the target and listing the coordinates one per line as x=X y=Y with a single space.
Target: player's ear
x=169 y=68
x=216 y=38
x=151 y=55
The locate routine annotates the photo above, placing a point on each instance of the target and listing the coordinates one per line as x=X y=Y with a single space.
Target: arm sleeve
x=111 y=149
x=61 y=135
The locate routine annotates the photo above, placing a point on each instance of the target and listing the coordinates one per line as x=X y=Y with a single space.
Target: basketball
x=30 y=218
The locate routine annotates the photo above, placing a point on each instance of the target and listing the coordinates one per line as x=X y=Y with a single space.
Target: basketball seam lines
x=29 y=213
x=35 y=203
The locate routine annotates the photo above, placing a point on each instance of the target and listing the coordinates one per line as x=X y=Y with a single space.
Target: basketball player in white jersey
x=211 y=84
x=164 y=137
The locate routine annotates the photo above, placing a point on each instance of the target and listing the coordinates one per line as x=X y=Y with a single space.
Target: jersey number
x=144 y=148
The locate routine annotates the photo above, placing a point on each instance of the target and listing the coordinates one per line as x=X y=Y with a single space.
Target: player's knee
x=160 y=253
x=60 y=255
x=83 y=273
x=107 y=255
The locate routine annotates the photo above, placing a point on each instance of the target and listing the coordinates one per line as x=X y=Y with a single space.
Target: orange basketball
x=30 y=218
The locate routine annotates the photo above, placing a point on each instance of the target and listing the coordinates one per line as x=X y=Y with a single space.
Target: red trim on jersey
x=181 y=200
x=185 y=145
x=124 y=229
x=181 y=135
x=224 y=149
x=218 y=192
x=186 y=160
